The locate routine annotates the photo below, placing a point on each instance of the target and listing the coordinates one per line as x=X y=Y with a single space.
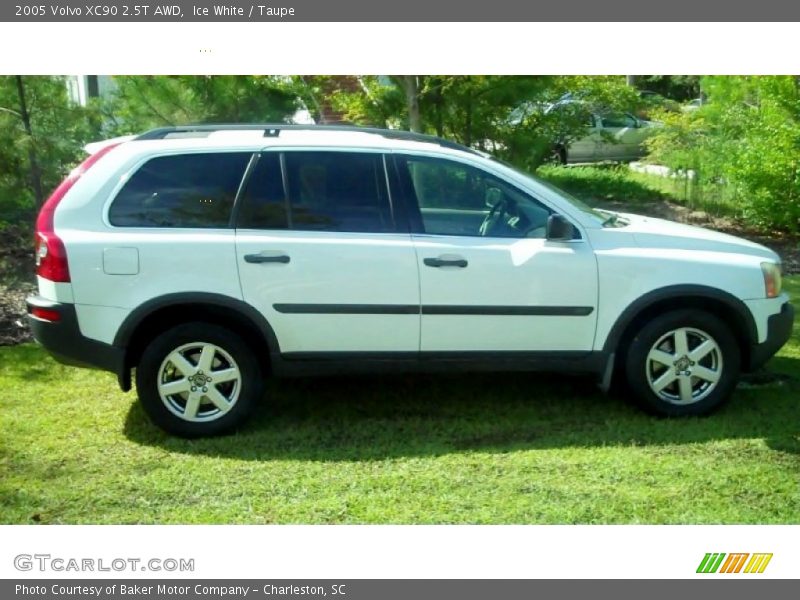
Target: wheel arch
x=155 y=315
x=722 y=304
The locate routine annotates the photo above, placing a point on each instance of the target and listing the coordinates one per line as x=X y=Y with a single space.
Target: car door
x=622 y=137
x=586 y=148
x=320 y=254
x=489 y=280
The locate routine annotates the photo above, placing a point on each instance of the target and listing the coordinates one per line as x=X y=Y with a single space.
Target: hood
x=650 y=232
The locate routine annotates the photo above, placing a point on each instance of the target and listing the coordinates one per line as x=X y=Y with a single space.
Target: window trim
x=237 y=200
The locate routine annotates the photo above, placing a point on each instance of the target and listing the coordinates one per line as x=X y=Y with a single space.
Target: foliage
x=60 y=129
x=506 y=115
x=142 y=102
x=674 y=87
x=743 y=144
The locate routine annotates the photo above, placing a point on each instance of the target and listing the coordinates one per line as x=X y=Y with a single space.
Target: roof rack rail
x=274 y=130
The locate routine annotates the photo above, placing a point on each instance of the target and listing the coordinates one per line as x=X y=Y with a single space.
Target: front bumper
x=779 y=330
x=64 y=340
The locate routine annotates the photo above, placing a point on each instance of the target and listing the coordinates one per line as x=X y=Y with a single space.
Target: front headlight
x=772 y=279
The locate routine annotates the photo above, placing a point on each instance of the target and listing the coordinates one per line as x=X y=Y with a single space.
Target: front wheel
x=685 y=362
x=198 y=379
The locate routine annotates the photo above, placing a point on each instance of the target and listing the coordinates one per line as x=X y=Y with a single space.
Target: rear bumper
x=64 y=340
x=779 y=330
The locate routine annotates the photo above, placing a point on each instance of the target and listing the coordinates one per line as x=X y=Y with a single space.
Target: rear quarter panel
x=167 y=260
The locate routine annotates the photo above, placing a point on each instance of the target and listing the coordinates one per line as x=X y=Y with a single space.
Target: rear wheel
x=558 y=156
x=198 y=379
x=685 y=362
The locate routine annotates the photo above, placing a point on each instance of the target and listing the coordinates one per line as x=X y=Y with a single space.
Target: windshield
x=601 y=215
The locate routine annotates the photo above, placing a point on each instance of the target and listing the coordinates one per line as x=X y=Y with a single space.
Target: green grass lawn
x=506 y=448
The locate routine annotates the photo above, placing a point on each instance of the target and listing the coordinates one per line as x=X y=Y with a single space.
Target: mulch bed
x=17 y=281
x=13 y=325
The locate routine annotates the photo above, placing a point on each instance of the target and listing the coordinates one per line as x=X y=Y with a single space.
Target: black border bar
x=364 y=11
x=704 y=586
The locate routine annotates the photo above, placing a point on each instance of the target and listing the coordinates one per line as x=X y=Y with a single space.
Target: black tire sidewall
x=640 y=345
x=559 y=156
x=147 y=374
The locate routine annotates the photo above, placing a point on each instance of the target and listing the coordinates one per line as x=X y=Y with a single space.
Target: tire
x=175 y=380
x=682 y=363
x=558 y=156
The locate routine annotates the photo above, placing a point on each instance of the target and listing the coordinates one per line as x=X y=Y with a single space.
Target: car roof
x=257 y=136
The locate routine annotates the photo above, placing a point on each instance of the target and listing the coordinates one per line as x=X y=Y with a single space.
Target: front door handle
x=266 y=258
x=446 y=261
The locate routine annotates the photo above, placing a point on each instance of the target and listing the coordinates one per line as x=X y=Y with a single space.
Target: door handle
x=455 y=261
x=266 y=258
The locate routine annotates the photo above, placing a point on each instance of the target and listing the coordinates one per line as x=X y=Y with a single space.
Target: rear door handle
x=446 y=261
x=266 y=258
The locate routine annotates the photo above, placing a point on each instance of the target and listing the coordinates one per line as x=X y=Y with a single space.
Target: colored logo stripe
x=758 y=563
x=733 y=564
x=710 y=562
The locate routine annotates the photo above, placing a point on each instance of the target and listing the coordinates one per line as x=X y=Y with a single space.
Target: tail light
x=46 y=314
x=51 y=255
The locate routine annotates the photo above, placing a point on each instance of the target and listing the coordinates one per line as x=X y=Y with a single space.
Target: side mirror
x=559 y=229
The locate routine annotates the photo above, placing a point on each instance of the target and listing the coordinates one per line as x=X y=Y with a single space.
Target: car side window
x=318 y=191
x=183 y=190
x=454 y=198
x=588 y=119
x=618 y=120
x=264 y=204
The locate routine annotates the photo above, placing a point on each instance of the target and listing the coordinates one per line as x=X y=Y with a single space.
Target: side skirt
x=300 y=364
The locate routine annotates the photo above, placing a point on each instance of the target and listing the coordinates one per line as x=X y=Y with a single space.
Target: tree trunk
x=411 y=86
x=36 y=173
x=630 y=80
x=316 y=111
x=438 y=106
x=468 y=121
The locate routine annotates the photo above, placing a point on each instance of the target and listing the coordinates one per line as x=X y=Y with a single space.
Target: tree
x=505 y=115
x=410 y=85
x=24 y=115
x=743 y=146
x=41 y=138
x=141 y=103
x=676 y=87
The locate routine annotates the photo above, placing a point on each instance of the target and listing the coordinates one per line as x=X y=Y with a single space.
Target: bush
x=743 y=145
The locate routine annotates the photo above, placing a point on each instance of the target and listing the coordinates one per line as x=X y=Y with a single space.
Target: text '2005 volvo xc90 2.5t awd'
x=208 y=257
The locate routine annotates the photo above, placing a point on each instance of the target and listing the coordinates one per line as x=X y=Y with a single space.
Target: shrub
x=744 y=144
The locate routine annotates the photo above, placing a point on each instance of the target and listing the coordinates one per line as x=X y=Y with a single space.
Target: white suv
x=207 y=257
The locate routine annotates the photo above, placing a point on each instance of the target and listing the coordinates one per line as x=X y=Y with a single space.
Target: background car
x=616 y=136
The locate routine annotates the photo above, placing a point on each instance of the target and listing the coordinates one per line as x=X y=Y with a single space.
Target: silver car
x=612 y=136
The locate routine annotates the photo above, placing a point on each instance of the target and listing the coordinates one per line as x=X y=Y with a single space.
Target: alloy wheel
x=684 y=366
x=199 y=382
